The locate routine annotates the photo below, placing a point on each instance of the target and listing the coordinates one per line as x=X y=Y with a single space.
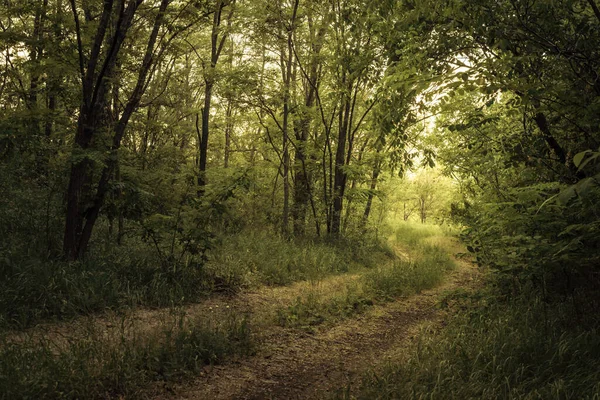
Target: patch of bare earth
x=292 y=364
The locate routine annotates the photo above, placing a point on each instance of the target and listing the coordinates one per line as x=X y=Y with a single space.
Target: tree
x=218 y=38
x=95 y=130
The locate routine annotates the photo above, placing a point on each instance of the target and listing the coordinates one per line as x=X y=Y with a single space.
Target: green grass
x=32 y=289
x=413 y=233
x=426 y=268
x=318 y=308
x=121 y=363
x=105 y=363
x=259 y=257
x=495 y=346
x=497 y=350
x=403 y=278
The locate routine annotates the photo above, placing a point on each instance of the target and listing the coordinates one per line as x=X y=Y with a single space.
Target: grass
x=32 y=290
x=425 y=268
x=403 y=278
x=103 y=364
x=317 y=307
x=495 y=346
x=124 y=362
x=259 y=257
x=412 y=233
x=497 y=350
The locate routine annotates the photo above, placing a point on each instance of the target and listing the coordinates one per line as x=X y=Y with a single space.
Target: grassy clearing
x=104 y=364
x=425 y=268
x=519 y=350
x=339 y=281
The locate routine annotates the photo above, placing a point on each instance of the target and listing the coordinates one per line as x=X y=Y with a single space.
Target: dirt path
x=292 y=364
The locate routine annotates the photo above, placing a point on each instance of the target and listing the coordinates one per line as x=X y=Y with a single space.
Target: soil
x=295 y=364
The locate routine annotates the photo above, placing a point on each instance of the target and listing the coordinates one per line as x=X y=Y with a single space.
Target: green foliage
x=524 y=350
x=528 y=244
x=121 y=363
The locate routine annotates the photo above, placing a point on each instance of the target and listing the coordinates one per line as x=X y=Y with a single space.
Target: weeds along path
x=311 y=338
x=294 y=364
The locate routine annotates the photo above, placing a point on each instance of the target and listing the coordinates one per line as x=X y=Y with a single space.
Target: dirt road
x=292 y=364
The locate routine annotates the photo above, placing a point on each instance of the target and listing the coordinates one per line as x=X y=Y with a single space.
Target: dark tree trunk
x=302 y=177
x=374 y=179
x=339 y=180
x=204 y=136
x=216 y=47
x=83 y=203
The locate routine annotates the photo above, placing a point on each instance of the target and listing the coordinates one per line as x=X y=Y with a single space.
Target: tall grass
x=105 y=364
x=405 y=278
x=261 y=257
x=497 y=350
x=425 y=268
x=32 y=289
x=317 y=307
x=426 y=262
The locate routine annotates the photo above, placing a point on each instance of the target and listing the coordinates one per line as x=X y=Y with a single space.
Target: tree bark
x=339 y=180
x=83 y=204
x=373 y=186
x=216 y=47
x=302 y=177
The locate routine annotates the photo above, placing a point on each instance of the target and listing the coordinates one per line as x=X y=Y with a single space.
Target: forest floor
x=327 y=361
x=304 y=359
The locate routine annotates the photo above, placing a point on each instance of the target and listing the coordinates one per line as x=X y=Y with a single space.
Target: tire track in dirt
x=296 y=365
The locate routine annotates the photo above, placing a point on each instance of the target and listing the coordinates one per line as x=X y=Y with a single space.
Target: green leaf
x=588 y=160
x=579 y=157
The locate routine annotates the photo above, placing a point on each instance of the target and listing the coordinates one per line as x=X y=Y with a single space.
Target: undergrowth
x=32 y=289
x=426 y=266
x=261 y=257
x=406 y=277
x=121 y=363
x=520 y=349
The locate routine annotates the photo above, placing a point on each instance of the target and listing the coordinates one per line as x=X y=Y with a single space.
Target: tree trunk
x=83 y=204
x=216 y=47
x=339 y=180
x=204 y=136
x=302 y=177
x=373 y=186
